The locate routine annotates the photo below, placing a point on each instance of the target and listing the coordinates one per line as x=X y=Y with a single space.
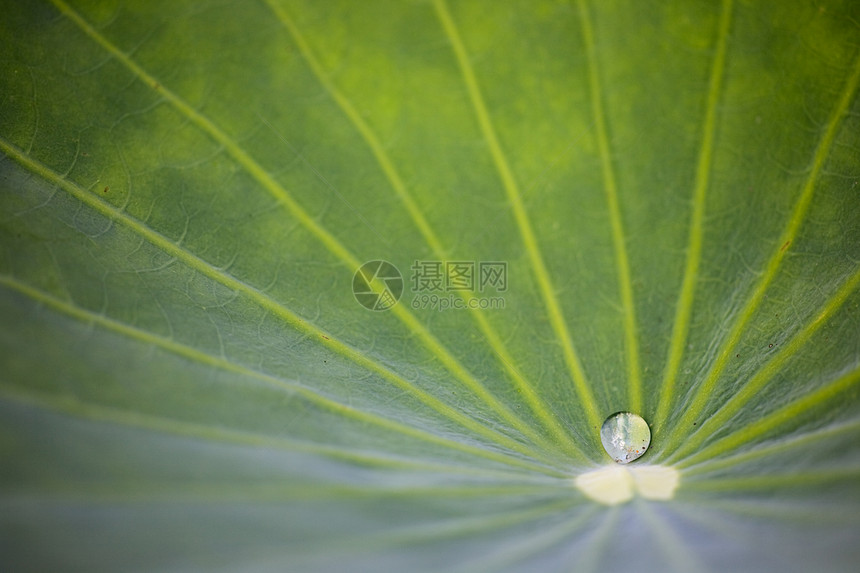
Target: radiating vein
x=328 y=404
x=317 y=230
x=424 y=533
x=459 y=527
x=524 y=386
x=536 y=544
x=72 y=406
x=684 y=310
x=774 y=481
x=601 y=540
x=264 y=301
x=782 y=246
x=677 y=552
x=748 y=391
x=807 y=513
x=279 y=491
x=782 y=416
x=622 y=265
x=781 y=447
x=542 y=276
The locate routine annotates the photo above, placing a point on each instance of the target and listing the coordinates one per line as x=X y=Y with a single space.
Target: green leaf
x=187 y=381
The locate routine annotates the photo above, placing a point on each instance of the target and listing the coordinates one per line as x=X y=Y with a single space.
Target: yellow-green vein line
x=71 y=406
x=783 y=246
x=279 y=491
x=454 y=366
x=544 y=281
x=778 y=418
x=771 y=481
x=256 y=171
x=625 y=283
x=534 y=401
x=317 y=230
x=711 y=465
x=202 y=358
x=748 y=390
x=360 y=124
x=684 y=310
x=265 y=302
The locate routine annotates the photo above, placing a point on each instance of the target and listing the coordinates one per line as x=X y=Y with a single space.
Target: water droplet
x=625 y=436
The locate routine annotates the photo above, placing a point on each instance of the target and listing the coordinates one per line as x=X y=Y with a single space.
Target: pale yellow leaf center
x=615 y=484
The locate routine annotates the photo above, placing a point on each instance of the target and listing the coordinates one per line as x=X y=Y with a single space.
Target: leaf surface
x=188 y=189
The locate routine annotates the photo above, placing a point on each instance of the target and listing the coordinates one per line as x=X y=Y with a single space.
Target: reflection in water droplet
x=625 y=436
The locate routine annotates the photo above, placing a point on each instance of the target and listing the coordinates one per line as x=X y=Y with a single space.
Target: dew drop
x=625 y=436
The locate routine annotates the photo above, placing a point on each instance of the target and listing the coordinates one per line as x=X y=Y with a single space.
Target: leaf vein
x=265 y=302
x=317 y=230
x=587 y=401
x=610 y=186
x=388 y=167
x=684 y=310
